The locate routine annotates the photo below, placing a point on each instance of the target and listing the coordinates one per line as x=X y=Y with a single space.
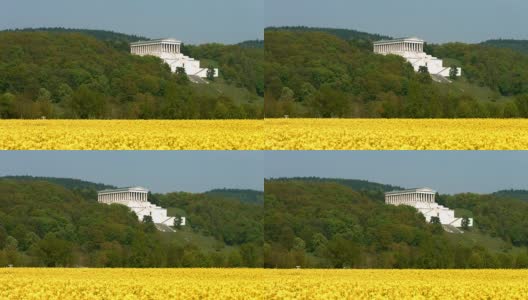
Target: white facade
x=412 y=50
x=136 y=198
x=169 y=50
x=423 y=199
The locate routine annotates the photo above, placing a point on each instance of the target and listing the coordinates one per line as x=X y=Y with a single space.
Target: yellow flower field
x=131 y=135
x=397 y=284
x=271 y=134
x=261 y=284
x=396 y=134
x=151 y=284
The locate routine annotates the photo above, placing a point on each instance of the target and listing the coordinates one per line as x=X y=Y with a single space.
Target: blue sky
x=192 y=21
x=197 y=171
x=446 y=171
x=160 y=171
x=435 y=21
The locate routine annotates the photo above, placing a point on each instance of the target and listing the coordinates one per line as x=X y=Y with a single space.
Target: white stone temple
x=169 y=50
x=412 y=49
x=136 y=198
x=423 y=199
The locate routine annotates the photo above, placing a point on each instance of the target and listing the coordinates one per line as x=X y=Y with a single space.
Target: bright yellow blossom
x=131 y=135
x=396 y=134
x=271 y=134
x=397 y=284
x=152 y=284
x=156 y=284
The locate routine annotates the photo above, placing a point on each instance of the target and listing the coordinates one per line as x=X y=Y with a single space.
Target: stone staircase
x=197 y=79
x=164 y=228
x=452 y=229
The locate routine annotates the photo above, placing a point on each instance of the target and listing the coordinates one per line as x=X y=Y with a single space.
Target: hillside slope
x=317 y=72
x=73 y=75
x=326 y=224
x=44 y=223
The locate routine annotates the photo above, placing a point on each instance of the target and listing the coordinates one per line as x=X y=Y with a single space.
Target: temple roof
x=406 y=39
x=157 y=41
x=416 y=190
x=125 y=189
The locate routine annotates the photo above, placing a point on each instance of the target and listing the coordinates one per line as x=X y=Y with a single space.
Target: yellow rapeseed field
x=131 y=135
x=144 y=284
x=396 y=134
x=397 y=284
x=271 y=134
x=261 y=284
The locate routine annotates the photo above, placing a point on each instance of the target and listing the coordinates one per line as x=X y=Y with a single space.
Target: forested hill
x=259 y=44
x=517 y=45
x=44 y=223
x=74 y=75
x=514 y=194
x=105 y=35
x=346 y=34
x=313 y=73
x=247 y=196
x=69 y=183
x=326 y=224
x=372 y=189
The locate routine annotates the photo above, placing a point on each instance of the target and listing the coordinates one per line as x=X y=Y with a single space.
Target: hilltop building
x=412 y=49
x=169 y=50
x=136 y=198
x=423 y=199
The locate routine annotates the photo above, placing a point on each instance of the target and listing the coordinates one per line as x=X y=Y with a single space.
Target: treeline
x=345 y=34
x=517 y=45
x=72 y=75
x=512 y=194
x=246 y=196
x=328 y=225
x=43 y=224
x=318 y=74
x=259 y=44
x=116 y=40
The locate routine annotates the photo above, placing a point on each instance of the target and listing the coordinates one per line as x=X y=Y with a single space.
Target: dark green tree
x=465 y=223
x=211 y=73
x=453 y=72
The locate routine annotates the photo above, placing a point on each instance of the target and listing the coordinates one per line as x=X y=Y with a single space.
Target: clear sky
x=192 y=21
x=435 y=21
x=160 y=171
x=447 y=172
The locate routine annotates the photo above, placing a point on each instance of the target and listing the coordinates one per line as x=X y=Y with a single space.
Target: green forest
x=336 y=223
x=89 y=74
x=50 y=222
x=328 y=73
